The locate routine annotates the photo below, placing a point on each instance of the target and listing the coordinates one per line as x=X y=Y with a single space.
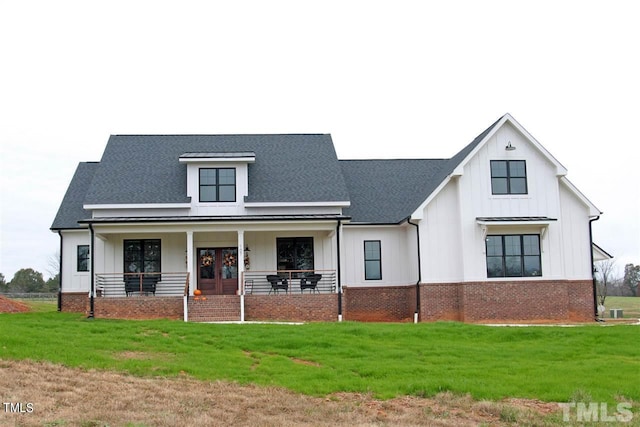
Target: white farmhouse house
x=275 y=227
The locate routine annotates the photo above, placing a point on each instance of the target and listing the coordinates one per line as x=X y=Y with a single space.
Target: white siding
x=399 y=255
x=72 y=279
x=440 y=238
x=575 y=235
x=452 y=239
x=226 y=208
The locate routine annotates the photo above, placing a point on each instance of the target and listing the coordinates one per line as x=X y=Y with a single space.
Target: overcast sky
x=394 y=79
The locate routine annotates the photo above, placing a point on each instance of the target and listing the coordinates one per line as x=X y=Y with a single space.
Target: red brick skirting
x=535 y=301
x=292 y=307
x=379 y=304
x=508 y=301
x=139 y=307
x=75 y=302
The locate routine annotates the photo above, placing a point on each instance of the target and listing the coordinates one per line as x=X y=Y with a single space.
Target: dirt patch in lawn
x=55 y=395
x=11 y=306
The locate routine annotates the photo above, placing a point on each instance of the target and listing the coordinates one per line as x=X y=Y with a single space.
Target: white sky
x=390 y=79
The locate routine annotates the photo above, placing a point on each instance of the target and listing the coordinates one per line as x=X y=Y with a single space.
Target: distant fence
x=34 y=296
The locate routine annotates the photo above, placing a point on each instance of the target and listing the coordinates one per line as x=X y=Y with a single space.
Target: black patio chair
x=277 y=283
x=131 y=283
x=149 y=283
x=310 y=282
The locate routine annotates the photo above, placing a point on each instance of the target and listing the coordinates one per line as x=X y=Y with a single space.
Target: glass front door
x=218 y=271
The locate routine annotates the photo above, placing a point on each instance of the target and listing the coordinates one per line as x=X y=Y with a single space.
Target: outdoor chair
x=132 y=284
x=310 y=282
x=277 y=283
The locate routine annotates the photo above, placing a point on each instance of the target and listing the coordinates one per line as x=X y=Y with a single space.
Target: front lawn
x=597 y=363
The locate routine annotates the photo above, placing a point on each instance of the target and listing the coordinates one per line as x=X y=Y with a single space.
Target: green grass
x=41 y=306
x=547 y=363
x=630 y=306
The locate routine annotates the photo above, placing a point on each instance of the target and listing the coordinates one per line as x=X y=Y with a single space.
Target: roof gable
x=458 y=162
x=463 y=157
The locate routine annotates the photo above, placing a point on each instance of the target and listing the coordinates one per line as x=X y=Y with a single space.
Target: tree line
x=610 y=283
x=27 y=280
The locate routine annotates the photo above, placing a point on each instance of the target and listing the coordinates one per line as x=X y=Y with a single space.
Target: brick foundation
x=142 y=307
x=379 y=304
x=75 y=302
x=292 y=307
x=517 y=301
x=535 y=301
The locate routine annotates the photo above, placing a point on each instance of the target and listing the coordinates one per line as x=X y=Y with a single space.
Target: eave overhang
x=205 y=219
x=242 y=157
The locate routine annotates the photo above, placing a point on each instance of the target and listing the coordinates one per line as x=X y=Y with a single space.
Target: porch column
x=189 y=260
x=240 y=260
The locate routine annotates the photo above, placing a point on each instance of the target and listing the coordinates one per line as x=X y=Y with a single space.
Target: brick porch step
x=215 y=308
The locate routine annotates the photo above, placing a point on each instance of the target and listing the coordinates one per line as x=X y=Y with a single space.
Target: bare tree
x=605 y=278
x=53 y=264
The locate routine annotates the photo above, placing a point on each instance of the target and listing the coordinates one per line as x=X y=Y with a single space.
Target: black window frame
x=83 y=258
x=509 y=178
x=501 y=259
x=295 y=259
x=376 y=260
x=143 y=257
x=216 y=186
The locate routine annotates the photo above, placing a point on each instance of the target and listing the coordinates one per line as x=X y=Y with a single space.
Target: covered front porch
x=217 y=268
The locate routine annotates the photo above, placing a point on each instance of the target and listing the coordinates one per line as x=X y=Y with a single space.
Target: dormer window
x=217 y=185
x=508 y=177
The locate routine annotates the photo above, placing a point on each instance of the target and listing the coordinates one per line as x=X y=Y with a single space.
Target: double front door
x=218 y=271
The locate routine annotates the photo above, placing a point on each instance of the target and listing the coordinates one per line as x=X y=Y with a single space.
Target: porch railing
x=288 y=281
x=141 y=284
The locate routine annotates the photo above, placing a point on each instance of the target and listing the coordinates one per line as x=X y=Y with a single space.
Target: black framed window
x=295 y=253
x=508 y=177
x=217 y=185
x=142 y=256
x=372 y=260
x=83 y=258
x=513 y=255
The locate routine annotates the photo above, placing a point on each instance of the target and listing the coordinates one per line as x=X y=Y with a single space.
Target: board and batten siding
x=72 y=279
x=453 y=241
x=398 y=254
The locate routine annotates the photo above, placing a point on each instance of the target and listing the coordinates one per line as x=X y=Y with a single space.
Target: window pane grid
x=513 y=256
x=372 y=260
x=142 y=256
x=508 y=177
x=217 y=185
x=83 y=258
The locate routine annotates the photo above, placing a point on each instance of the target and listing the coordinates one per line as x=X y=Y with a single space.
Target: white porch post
x=192 y=278
x=240 y=263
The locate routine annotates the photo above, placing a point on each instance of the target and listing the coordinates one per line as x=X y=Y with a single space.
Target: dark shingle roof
x=288 y=168
x=388 y=191
x=138 y=169
x=71 y=210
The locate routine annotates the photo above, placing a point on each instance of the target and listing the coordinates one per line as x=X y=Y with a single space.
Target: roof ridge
x=221 y=134
x=394 y=159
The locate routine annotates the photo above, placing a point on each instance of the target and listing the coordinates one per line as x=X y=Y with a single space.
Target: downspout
x=93 y=284
x=593 y=273
x=417 y=312
x=60 y=275
x=339 y=281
